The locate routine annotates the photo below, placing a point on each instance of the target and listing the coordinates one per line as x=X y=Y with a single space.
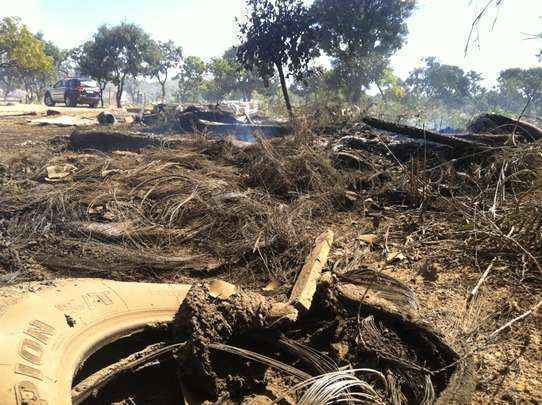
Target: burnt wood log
x=500 y=124
x=457 y=143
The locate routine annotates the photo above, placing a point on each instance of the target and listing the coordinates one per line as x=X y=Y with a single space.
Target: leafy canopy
x=448 y=84
x=191 y=79
x=127 y=50
x=20 y=49
x=277 y=33
x=360 y=36
x=354 y=28
x=230 y=78
x=165 y=56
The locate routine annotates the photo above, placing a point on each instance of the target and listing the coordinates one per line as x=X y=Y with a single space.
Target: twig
x=477 y=21
x=479 y=347
x=513 y=321
x=475 y=290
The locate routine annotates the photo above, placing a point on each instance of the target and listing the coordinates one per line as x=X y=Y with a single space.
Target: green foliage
x=36 y=82
x=224 y=79
x=519 y=87
x=360 y=36
x=124 y=50
x=165 y=57
x=191 y=79
x=93 y=61
x=320 y=86
x=391 y=86
x=23 y=58
x=277 y=34
x=20 y=49
x=246 y=82
x=230 y=78
x=447 y=84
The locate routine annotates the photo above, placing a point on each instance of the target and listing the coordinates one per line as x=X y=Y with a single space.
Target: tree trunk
x=120 y=90
x=102 y=88
x=163 y=85
x=380 y=90
x=284 y=89
x=355 y=94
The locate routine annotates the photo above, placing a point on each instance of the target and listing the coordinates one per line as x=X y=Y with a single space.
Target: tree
x=448 y=84
x=361 y=35
x=93 y=61
x=133 y=88
x=19 y=48
x=230 y=78
x=390 y=86
x=191 y=79
x=9 y=80
x=37 y=81
x=315 y=85
x=60 y=57
x=224 y=79
x=166 y=56
x=127 y=51
x=246 y=81
x=277 y=34
x=517 y=87
x=22 y=57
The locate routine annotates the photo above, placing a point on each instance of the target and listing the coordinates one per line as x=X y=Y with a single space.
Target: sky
x=207 y=27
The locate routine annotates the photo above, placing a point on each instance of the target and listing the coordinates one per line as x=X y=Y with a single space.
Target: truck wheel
x=49 y=330
x=48 y=100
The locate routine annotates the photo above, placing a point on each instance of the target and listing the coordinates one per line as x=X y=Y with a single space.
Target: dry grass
x=173 y=200
x=491 y=206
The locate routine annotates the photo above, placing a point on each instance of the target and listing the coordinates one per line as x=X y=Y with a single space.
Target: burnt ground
x=425 y=246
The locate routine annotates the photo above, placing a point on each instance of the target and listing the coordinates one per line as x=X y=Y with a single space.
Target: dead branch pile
x=499 y=124
x=171 y=209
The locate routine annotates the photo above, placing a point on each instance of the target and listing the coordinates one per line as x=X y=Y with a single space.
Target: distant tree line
x=282 y=45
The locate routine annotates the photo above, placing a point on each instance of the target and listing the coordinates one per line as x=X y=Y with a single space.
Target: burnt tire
x=49 y=330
